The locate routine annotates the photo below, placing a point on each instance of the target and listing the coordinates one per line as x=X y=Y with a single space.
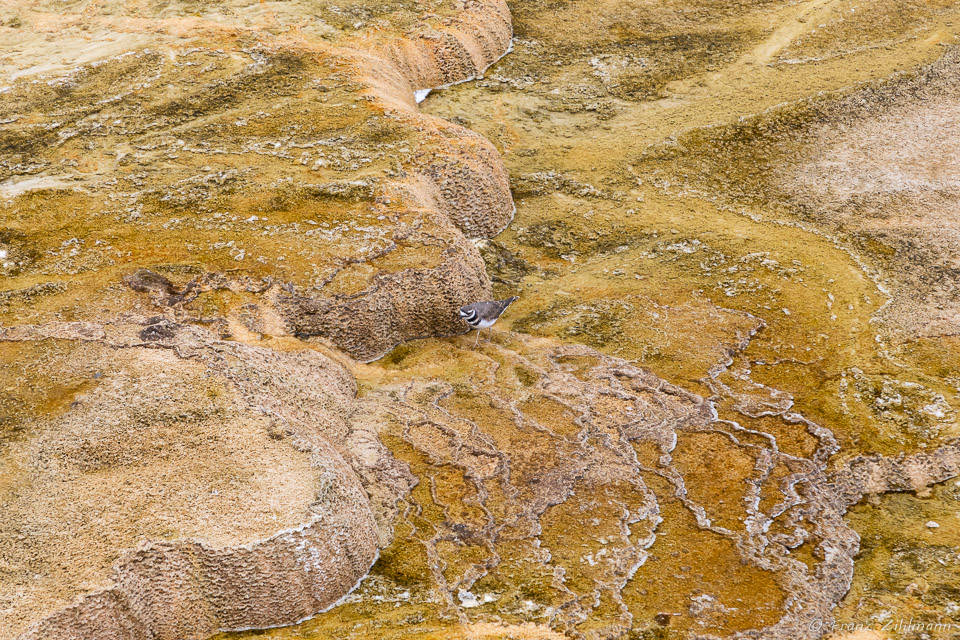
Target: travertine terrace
x=234 y=237
x=284 y=172
x=167 y=484
x=247 y=173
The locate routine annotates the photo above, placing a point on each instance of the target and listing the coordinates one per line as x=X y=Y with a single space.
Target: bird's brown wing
x=503 y=304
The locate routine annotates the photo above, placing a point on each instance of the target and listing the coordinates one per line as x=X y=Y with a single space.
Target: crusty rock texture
x=209 y=211
x=713 y=190
x=456 y=49
x=574 y=469
x=243 y=170
x=194 y=485
x=287 y=166
x=163 y=484
x=865 y=475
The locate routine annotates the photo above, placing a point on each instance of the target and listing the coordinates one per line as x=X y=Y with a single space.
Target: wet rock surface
x=557 y=483
x=734 y=249
x=288 y=169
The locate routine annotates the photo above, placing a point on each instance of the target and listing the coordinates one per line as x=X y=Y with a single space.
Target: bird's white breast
x=483 y=324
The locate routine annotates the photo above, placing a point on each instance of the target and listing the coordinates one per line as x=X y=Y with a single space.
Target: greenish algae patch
x=909 y=564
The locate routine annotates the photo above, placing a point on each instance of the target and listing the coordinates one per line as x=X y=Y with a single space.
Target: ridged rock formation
x=708 y=189
x=453 y=50
x=865 y=475
x=746 y=209
x=264 y=177
x=163 y=484
x=288 y=175
x=565 y=466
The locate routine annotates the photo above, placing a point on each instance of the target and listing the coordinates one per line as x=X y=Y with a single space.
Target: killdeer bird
x=480 y=315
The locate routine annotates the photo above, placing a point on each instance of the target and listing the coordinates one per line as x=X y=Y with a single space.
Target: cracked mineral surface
x=234 y=236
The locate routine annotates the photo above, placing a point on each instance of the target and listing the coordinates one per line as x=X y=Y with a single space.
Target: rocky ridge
x=267 y=177
x=167 y=484
x=292 y=171
x=147 y=179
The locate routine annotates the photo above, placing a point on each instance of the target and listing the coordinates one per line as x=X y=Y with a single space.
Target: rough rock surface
x=626 y=452
x=753 y=199
x=560 y=483
x=656 y=150
x=159 y=483
x=871 y=166
x=865 y=475
x=287 y=166
x=237 y=167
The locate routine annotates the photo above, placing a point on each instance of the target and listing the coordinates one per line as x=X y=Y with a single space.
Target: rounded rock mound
x=158 y=483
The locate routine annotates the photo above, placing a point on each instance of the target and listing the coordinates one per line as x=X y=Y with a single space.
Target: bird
x=480 y=315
